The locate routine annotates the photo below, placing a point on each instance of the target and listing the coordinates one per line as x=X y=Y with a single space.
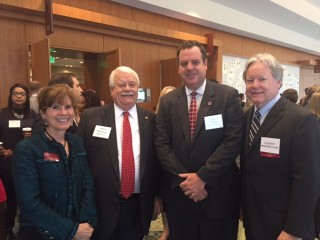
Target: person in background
x=126 y=174
x=291 y=94
x=165 y=233
x=52 y=179
x=197 y=147
x=315 y=105
x=315 y=109
x=305 y=102
x=13 y=119
x=35 y=88
x=3 y=209
x=279 y=160
x=242 y=101
x=71 y=80
x=91 y=99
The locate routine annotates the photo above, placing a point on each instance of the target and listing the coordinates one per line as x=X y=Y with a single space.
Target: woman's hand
x=5 y=152
x=84 y=232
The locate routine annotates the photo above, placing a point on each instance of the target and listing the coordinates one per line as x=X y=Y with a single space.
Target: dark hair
x=26 y=89
x=190 y=44
x=91 y=98
x=55 y=94
x=62 y=78
x=35 y=86
x=291 y=94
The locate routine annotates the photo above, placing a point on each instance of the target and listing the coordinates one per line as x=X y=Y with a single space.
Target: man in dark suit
x=121 y=216
x=279 y=160
x=201 y=178
x=71 y=80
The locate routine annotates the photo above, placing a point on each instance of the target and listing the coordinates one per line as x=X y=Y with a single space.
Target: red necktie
x=193 y=113
x=127 y=172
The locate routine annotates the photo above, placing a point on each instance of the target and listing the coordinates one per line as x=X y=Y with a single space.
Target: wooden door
x=40 y=61
x=169 y=73
x=106 y=62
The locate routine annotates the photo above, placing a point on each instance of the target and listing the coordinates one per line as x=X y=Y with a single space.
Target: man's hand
x=193 y=187
x=286 y=236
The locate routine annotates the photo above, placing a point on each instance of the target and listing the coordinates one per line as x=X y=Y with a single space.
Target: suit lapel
x=275 y=114
x=109 y=118
x=182 y=109
x=142 y=117
x=206 y=105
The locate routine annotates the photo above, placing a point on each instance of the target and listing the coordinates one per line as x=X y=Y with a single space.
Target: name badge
x=101 y=132
x=270 y=147
x=213 y=122
x=14 y=123
x=51 y=157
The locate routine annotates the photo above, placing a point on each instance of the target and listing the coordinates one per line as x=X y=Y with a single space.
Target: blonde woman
x=163 y=92
x=315 y=104
x=165 y=233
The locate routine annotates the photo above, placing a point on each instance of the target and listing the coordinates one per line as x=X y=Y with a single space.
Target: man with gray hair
x=279 y=159
x=119 y=142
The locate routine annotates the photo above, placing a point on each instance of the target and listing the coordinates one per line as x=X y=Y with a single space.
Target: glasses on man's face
x=58 y=108
x=16 y=94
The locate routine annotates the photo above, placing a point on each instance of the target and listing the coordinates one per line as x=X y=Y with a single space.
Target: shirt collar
x=266 y=108
x=118 y=111
x=200 y=90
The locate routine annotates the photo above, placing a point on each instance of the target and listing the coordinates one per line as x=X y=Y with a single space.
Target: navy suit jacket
x=211 y=154
x=104 y=165
x=280 y=192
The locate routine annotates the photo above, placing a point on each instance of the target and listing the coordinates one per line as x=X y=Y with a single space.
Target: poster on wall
x=232 y=69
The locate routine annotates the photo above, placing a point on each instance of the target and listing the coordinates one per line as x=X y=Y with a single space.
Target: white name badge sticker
x=101 y=132
x=270 y=146
x=213 y=122
x=14 y=123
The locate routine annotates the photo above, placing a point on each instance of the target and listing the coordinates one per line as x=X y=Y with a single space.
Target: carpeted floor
x=156 y=230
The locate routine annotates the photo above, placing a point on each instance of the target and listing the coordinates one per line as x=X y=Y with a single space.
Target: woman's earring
x=45 y=121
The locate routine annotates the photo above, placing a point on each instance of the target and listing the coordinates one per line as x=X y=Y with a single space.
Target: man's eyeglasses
x=16 y=94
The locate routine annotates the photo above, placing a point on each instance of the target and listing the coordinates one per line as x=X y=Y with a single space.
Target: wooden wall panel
x=103 y=6
x=276 y=51
x=251 y=47
x=66 y=38
x=194 y=28
x=290 y=55
x=156 y=20
x=13 y=57
x=232 y=44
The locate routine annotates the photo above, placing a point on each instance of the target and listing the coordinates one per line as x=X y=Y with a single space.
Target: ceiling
x=293 y=24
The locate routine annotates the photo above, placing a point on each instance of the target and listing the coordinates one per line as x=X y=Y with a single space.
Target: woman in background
x=165 y=234
x=315 y=105
x=53 y=184
x=3 y=208
x=13 y=118
x=315 y=108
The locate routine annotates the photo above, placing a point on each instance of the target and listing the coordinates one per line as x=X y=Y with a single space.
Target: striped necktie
x=255 y=125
